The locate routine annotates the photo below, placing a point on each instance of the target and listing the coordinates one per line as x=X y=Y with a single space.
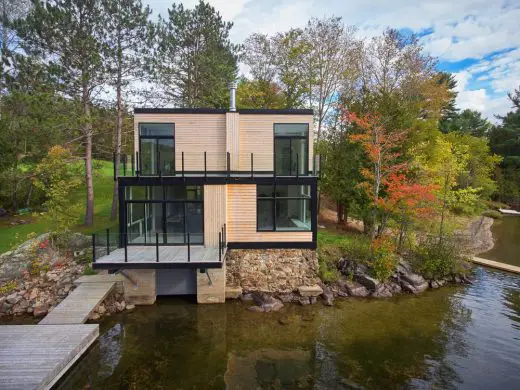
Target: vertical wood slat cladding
x=241 y=218
x=214 y=213
x=257 y=136
x=233 y=139
x=194 y=135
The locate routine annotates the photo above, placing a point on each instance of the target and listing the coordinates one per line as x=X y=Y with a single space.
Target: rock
x=79 y=241
x=287 y=297
x=34 y=294
x=413 y=279
x=14 y=298
x=328 y=296
x=94 y=316
x=437 y=283
x=367 y=281
x=40 y=309
x=101 y=309
x=130 y=307
x=310 y=291
x=356 y=289
x=246 y=297
x=387 y=290
x=267 y=302
x=413 y=289
x=313 y=300
x=233 y=292
x=304 y=301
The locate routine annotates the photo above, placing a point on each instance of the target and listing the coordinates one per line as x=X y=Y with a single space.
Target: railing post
x=252 y=165
x=108 y=241
x=228 y=163
x=205 y=166
x=297 y=164
x=158 y=155
x=225 y=236
x=132 y=164
x=93 y=248
x=182 y=156
x=189 y=254
x=126 y=245
x=156 y=247
x=137 y=164
x=219 y=247
x=124 y=164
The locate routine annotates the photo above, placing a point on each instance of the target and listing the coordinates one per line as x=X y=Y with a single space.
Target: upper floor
x=216 y=142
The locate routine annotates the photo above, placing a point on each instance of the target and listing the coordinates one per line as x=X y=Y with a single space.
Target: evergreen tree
x=68 y=35
x=195 y=60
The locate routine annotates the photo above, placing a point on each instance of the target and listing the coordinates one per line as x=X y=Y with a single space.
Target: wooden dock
x=76 y=308
x=496 y=264
x=35 y=357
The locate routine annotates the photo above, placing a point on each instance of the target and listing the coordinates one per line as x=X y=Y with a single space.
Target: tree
x=129 y=41
x=68 y=36
x=467 y=122
x=259 y=94
x=56 y=176
x=195 y=60
x=381 y=149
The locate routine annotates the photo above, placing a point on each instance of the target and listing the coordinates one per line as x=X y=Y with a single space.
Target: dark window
x=291 y=148
x=283 y=208
x=157 y=148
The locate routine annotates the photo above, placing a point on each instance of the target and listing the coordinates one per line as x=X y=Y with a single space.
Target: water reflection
x=451 y=338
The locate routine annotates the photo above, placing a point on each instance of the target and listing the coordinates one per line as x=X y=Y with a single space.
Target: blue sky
x=477 y=40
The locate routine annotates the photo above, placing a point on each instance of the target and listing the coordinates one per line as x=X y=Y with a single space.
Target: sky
x=476 y=40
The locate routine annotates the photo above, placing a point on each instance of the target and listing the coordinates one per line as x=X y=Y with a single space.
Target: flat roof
x=292 y=111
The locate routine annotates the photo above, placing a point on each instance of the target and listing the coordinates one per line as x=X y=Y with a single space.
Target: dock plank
x=35 y=357
x=496 y=264
x=76 y=308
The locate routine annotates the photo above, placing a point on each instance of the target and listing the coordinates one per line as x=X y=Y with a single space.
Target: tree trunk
x=119 y=125
x=89 y=212
x=3 y=56
x=339 y=212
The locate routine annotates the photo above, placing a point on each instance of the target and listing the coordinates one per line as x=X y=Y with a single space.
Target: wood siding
x=233 y=139
x=194 y=135
x=214 y=213
x=257 y=136
x=241 y=218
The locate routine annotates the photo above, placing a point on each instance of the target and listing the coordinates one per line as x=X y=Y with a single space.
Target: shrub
x=9 y=286
x=493 y=214
x=384 y=258
x=438 y=259
x=357 y=250
x=328 y=264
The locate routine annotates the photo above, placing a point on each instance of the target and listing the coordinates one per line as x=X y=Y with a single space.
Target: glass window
x=156 y=129
x=283 y=208
x=144 y=193
x=291 y=148
x=183 y=192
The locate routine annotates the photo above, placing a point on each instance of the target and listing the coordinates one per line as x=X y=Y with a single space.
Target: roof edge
x=292 y=111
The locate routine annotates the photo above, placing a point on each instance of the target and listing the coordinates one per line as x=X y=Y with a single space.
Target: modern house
x=205 y=181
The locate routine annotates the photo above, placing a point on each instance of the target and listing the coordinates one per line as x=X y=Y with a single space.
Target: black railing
x=135 y=169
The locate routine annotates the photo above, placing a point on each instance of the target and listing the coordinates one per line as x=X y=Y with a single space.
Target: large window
x=283 y=208
x=157 y=148
x=291 y=148
x=173 y=212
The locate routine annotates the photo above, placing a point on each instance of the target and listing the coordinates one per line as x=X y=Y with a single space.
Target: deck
x=496 y=264
x=141 y=256
x=35 y=356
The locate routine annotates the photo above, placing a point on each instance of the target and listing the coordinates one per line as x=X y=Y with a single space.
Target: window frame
x=290 y=138
x=156 y=138
x=273 y=200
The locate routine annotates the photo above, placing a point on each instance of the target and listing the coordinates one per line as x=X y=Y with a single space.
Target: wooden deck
x=76 y=308
x=140 y=256
x=35 y=357
x=496 y=264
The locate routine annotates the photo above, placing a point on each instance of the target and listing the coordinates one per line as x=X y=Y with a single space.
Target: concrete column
x=214 y=291
x=233 y=139
x=140 y=288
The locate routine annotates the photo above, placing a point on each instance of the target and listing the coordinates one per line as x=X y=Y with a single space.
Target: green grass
x=103 y=190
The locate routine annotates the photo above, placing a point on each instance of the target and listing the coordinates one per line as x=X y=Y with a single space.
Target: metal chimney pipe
x=232 y=96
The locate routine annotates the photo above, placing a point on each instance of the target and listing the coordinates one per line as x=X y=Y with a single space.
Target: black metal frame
x=273 y=200
x=290 y=138
x=156 y=138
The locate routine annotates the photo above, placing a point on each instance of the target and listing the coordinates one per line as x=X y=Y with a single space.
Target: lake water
x=506 y=233
x=456 y=337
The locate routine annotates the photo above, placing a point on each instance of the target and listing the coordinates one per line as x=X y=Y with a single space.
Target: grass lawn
x=103 y=189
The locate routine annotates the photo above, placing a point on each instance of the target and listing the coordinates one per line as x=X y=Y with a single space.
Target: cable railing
x=212 y=164
x=136 y=247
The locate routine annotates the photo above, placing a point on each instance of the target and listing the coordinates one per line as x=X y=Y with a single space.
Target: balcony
x=216 y=165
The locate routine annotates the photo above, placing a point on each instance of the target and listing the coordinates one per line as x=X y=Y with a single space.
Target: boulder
x=14 y=298
x=79 y=241
x=304 y=301
x=413 y=279
x=310 y=291
x=367 y=281
x=437 y=283
x=40 y=309
x=34 y=294
x=356 y=289
x=327 y=296
x=413 y=289
x=387 y=290
x=266 y=303
x=233 y=292
x=287 y=297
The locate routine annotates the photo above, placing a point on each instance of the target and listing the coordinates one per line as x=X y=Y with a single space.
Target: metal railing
x=211 y=164
x=105 y=242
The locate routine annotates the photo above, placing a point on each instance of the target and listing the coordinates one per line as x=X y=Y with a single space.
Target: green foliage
x=259 y=94
x=493 y=214
x=328 y=264
x=383 y=259
x=437 y=259
x=8 y=287
x=469 y=122
x=56 y=177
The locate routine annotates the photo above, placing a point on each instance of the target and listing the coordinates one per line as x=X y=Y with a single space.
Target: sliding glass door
x=157 y=149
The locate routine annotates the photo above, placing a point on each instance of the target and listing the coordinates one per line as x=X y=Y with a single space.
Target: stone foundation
x=271 y=270
x=213 y=291
x=140 y=287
